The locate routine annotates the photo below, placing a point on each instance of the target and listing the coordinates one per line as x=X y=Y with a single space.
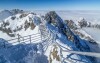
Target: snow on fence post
x=41 y=36
x=23 y=39
x=30 y=38
x=18 y=38
x=40 y=32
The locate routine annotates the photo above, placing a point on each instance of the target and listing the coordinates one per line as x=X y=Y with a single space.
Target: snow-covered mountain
x=58 y=36
x=4 y=14
x=63 y=31
x=22 y=24
x=17 y=11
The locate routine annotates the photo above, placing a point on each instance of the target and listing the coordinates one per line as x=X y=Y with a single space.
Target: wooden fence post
x=41 y=36
x=30 y=38
x=23 y=39
x=18 y=38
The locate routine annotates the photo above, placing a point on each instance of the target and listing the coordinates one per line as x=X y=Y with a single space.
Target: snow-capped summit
x=54 y=19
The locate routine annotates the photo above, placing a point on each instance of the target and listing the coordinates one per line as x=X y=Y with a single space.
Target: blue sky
x=51 y=4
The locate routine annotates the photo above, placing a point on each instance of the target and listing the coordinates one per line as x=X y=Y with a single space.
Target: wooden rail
x=25 y=39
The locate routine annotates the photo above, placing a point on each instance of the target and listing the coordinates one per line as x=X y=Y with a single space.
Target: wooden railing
x=33 y=38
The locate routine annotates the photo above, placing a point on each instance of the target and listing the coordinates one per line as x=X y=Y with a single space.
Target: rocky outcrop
x=70 y=24
x=54 y=19
x=54 y=54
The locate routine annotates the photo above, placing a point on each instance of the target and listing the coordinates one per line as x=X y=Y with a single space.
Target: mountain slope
x=63 y=33
x=23 y=24
x=4 y=14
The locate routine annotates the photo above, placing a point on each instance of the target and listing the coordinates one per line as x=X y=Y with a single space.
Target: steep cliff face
x=54 y=22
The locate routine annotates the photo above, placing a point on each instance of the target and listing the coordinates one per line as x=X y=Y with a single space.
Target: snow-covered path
x=94 y=32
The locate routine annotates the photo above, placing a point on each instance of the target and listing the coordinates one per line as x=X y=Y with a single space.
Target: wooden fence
x=33 y=38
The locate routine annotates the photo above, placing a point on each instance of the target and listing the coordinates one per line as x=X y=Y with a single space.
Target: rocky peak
x=17 y=11
x=52 y=18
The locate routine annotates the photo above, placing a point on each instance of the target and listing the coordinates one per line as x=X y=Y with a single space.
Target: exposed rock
x=32 y=26
x=23 y=15
x=16 y=11
x=54 y=54
x=83 y=23
x=70 y=24
x=54 y=19
x=13 y=17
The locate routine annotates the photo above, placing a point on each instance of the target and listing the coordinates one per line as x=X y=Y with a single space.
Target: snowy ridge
x=69 y=45
x=58 y=44
x=22 y=24
x=67 y=50
x=76 y=45
x=63 y=49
